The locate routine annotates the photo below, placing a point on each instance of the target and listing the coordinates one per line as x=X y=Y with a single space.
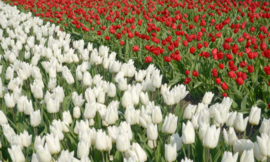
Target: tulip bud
x=122 y=84
x=53 y=144
x=255 y=115
x=170 y=152
x=247 y=156
x=211 y=137
x=90 y=110
x=257 y=153
x=126 y=99
x=231 y=119
x=111 y=90
x=43 y=154
x=82 y=149
x=122 y=143
x=16 y=154
x=229 y=137
x=140 y=153
x=240 y=123
x=156 y=115
x=189 y=111
x=207 y=98
x=152 y=132
x=170 y=124
x=264 y=144
x=229 y=157
x=67 y=119
x=9 y=100
x=26 y=139
x=175 y=138
x=3 y=118
x=76 y=112
x=188 y=133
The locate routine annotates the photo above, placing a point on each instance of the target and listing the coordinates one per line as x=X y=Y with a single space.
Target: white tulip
x=189 y=111
x=53 y=144
x=156 y=115
x=152 y=132
x=170 y=152
x=16 y=154
x=188 y=133
x=175 y=138
x=211 y=137
x=207 y=98
x=240 y=123
x=3 y=118
x=229 y=157
x=247 y=156
x=76 y=112
x=255 y=115
x=9 y=100
x=229 y=136
x=170 y=124
x=82 y=149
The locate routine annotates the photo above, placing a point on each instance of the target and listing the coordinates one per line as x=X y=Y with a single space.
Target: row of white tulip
x=42 y=71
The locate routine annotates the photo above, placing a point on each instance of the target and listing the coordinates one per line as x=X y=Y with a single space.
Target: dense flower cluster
x=65 y=100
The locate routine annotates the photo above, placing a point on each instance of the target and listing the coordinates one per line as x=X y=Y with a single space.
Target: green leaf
x=244 y=102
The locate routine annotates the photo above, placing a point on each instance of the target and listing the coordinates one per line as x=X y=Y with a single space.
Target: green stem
x=14 y=116
x=103 y=159
x=189 y=151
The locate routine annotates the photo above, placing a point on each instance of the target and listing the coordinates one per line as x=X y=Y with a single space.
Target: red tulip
x=195 y=73
x=135 y=48
x=224 y=86
x=221 y=66
x=192 y=50
x=224 y=94
x=148 y=59
x=187 y=80
x=167 y=59
x=214 y=72
x=240 y=81
x=250 y=68
x=243 y=64
x=122 y=43
x=267 y=70
x=187 y=72
x=107 y=38
x=231 y=74
x=218 y=81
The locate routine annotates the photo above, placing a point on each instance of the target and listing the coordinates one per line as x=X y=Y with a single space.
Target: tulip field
x=134 y=81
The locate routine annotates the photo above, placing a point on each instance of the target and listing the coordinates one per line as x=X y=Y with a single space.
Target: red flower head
x=221 y=66
x=229 y=56
x=224 y=86
x=167 y=59
x=218 y=81
x=231 y=74
x=250 y=68
x=214 y=72
x=107 y=38
x=267 y=70
x=243 y=64
x=192 y=49
x=187 y=80
x=122 y=43
x=195 y=73
x=135 y=48
x=99 y=32
x=187 y=72
x=224 y=94
x=240 y=81
x=148 y=59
